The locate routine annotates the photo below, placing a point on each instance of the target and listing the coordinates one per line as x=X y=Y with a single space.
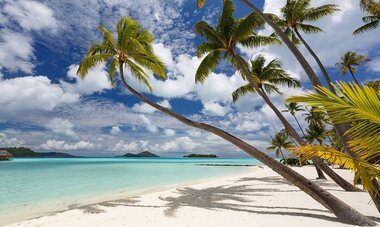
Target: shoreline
x=45 y=209
x=256 y=196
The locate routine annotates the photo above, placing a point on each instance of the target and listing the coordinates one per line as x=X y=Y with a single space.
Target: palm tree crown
x=131 y=48
x=280 y=141
x=296 y=12
x=224 y=38
x=267 y=77
x=348 y=61
x=372 y=21
x=293 y=107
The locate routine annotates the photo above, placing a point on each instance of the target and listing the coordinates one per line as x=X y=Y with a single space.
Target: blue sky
x=43 y=105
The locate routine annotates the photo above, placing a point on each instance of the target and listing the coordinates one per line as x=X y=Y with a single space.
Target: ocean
x=32 y=187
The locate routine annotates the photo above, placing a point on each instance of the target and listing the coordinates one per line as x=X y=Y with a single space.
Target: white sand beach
x=257 y=197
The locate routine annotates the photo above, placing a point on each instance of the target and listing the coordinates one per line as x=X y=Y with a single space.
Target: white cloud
x=122 y=147
x=169 y=132
x=62 y=127
x=16 y=45
x=5 y=141
x=31 y=93
x=16 y=51
x=149 y=125
x=96 y=81
x=145 y=108
x=30 y=15
x=215 y=109
x=374 y=64
x=180 y=144
x=63 y=145
x=115 y=130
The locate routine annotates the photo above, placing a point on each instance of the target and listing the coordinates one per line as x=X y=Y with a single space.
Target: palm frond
x=138 y=73
x=321 y=11
x=259 y=40
x=91 y=61
x=364 y=170
x=369 y=26
x=246 y=26
x=205 y=30
x=207 y=65
x=241 y=91
x=309 y=29
x=114 y=66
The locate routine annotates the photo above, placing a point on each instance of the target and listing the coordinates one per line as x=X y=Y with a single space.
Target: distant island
x=24 y=152
x=144 y=154
x=200 y=156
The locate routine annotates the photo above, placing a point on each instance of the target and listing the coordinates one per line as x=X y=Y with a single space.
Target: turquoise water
x=29 y=183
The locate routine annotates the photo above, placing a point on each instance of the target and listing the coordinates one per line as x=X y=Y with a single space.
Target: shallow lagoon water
x=31 y=182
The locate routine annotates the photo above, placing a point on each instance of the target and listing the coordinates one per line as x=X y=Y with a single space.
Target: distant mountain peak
x=144 y=154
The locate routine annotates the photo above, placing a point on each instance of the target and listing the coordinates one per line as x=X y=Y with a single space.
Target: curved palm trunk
x=299 y=125
x=353 y=76
x=292 y=132
x=301 y=59
x=320 y=65
x=341 y=210
x=341 y=128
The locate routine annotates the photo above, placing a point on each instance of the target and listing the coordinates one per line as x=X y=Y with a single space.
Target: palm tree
x=223 y=40
x=295 y=14
x=340 y=128
x=267 y=77
x=372 y=21
x=279 y=142
x=348 y=61
x=292 y=108
x=129 y=32
x=359 y=106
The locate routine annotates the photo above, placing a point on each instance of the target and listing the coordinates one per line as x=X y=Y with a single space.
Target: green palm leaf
x=207 y=65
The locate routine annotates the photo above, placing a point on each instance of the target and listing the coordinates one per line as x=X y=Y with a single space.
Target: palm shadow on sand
x=234 y=197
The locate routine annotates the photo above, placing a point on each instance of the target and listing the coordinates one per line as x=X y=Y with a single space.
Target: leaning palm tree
x=280 y=141
x=292 y=108
x=348 y=61
x=294 y=18
x=372 y=21
x=267 y=76
x=223 y=40
x=359 y=106
x=130 y=33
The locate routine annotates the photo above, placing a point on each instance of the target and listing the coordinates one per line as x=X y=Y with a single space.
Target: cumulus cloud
x=7 y=141
x=149 y=125
x=32 y=93
x=16 y=45
x=138 y=146
x=169 y=132
x=180 y=144
x=145 y=108
x=96 y=81
x=215 y=109
x=63 y=145
x=115 y=130
x=62 y=127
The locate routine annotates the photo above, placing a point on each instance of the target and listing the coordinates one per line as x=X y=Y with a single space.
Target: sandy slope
x=258 y=197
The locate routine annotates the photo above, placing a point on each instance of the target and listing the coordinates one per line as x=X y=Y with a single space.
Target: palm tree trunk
x=299 y=125
x=292 y=132
x=301 y=59
x=282 y=154
x=321 y=67
x=353 y=76
x=342 y=211
x=312 y=76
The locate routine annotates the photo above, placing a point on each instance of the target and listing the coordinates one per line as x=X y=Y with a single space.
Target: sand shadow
x=231 y=198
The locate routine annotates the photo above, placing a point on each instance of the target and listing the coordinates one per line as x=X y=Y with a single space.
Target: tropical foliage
x=372 y=20
x=359 y=106
x=348 y=61
x=132 y=49
x=280 y=141
x=268 y=77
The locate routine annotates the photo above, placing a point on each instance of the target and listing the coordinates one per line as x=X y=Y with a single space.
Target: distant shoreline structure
x=201 y=156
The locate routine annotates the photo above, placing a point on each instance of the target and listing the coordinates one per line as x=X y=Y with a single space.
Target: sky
x=45 y=106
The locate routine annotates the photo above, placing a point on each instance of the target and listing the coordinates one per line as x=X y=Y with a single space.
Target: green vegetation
x=132 y=48
x=21 y=152
x=200 y=156
x=348 y=61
